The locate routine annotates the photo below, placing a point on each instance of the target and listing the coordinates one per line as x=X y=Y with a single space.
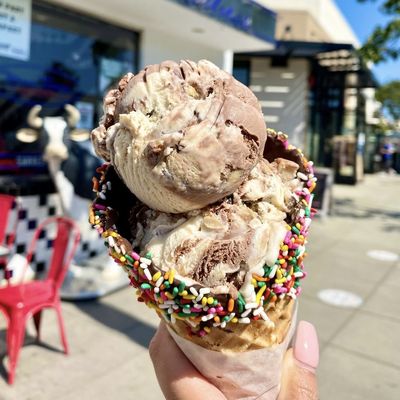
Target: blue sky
x=363 y=17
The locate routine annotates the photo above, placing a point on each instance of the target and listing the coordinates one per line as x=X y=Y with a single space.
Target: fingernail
x=306 y=348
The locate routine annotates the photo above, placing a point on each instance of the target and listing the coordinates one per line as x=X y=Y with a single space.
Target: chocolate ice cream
x=223 y=245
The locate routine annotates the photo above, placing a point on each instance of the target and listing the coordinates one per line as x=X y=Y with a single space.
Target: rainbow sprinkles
x=168 y=293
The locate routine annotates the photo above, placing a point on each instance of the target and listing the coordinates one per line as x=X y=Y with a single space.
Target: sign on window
x=15 y=28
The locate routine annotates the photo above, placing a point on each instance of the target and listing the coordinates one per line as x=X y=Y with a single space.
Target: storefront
x=75 y=51
x=59 y=52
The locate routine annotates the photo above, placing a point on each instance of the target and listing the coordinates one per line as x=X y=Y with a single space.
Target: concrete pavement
x=359 y=347
x=360 y=354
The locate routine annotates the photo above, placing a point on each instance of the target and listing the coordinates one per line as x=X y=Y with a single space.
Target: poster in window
x=15 y=28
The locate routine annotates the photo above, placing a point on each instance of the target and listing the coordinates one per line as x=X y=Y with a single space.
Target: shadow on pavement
x=109 y=316
x=3 y=352
x=113 y=318
x=391 y=228
x=347 y=208
x=28 y=341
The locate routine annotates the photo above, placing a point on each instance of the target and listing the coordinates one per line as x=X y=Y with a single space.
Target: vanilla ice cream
x=181 y=135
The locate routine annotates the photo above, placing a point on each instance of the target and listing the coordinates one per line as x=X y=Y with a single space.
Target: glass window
x=241 y=71
x=74 y=59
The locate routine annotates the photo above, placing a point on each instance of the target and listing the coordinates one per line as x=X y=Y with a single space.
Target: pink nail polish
x=306 y=348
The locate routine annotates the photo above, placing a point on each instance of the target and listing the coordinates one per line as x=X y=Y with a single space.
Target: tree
x=389 y=96
x=384 y=42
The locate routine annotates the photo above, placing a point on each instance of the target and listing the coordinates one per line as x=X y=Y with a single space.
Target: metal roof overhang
x=298 y=49
x=334 y=57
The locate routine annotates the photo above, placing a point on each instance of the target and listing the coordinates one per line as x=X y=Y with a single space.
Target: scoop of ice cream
x=223 y=245
x=181 y=135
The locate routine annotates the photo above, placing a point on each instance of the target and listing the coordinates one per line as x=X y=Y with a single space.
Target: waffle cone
x=236 y=337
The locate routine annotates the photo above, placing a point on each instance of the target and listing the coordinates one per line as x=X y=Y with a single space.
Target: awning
x=298 y=49
x=334 y=57
x=237 y=25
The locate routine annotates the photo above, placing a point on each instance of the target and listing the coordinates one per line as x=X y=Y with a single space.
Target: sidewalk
x=360 y=355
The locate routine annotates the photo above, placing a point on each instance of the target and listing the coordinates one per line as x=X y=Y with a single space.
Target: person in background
x=387 y=152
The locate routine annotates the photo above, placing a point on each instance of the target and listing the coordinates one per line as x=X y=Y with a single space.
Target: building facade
x=75 y=50
x=311 y=85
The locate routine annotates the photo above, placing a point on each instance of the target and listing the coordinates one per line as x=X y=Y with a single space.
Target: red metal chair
x=19 y=302
x=7 y=238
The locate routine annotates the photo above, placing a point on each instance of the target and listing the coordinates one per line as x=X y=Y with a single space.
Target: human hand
x=176 y=375
x=180 y=380
x=298 y=375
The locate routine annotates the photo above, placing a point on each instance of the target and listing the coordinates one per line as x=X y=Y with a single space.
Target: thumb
x=298 y=376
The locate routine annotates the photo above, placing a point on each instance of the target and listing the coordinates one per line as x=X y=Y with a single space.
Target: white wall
x=326 y=13
x=157 y=46
x=282 y=93
x=335 y=24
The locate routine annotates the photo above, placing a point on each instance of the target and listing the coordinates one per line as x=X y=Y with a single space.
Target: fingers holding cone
x=299 y=381
x=178 y=378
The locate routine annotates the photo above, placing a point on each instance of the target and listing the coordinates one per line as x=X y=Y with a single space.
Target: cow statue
x=67 y=151
x=71 y=162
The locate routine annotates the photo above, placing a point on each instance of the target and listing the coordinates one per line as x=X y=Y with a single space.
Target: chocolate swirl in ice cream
x=181 y=135
x=223 y=245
